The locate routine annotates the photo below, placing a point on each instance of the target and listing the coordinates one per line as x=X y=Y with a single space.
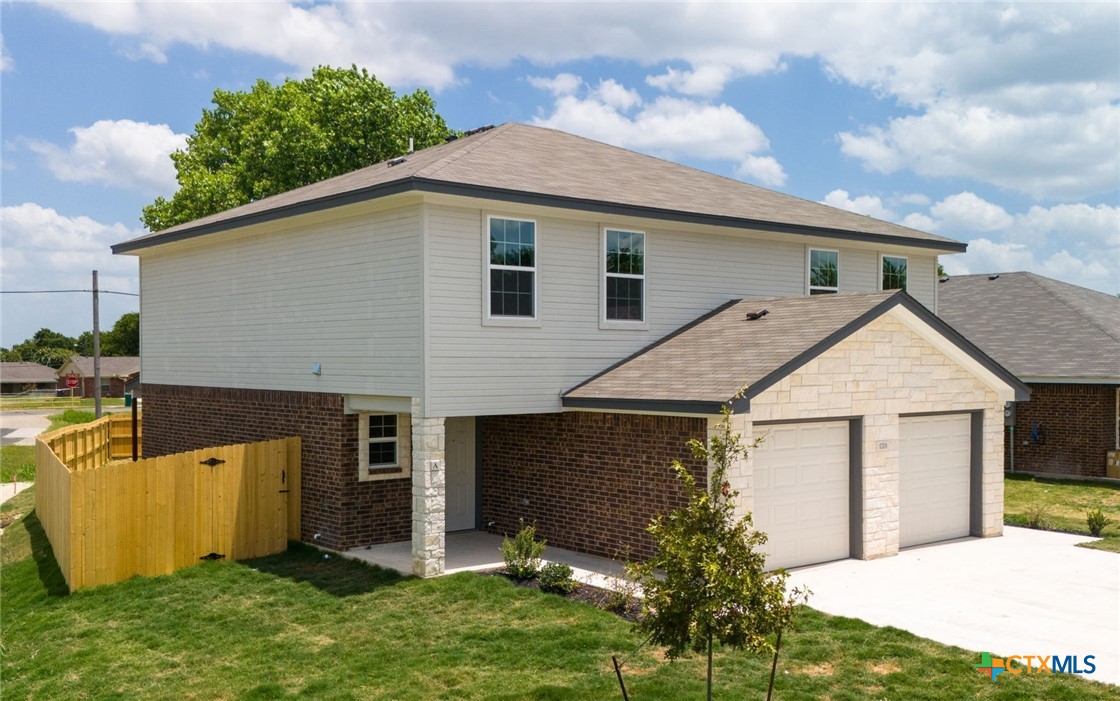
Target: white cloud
x=864 y=204
x=669 y=127
x=921 y=222
x=6 y=62
x=123 y=153
x=913 y=198
x=561 y=84
x=47 y=250
x=705 y=81
x=987 y=256
x=967 y=212
x=1044 y=154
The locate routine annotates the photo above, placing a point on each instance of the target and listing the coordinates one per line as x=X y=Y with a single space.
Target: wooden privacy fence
x=108 y=520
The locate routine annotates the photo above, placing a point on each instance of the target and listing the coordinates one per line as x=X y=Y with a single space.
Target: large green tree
x=274 y=138
x=124 y=337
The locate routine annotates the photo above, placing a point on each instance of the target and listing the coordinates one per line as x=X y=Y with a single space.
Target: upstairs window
x=894 y=273
x=824 y=272
x=512 y=268
x=625 y=270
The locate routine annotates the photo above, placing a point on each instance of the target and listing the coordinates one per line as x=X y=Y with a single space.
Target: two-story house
x=523 y=323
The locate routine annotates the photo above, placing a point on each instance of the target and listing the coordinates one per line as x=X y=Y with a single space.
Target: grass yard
x=297 y=625
x=1065 y=503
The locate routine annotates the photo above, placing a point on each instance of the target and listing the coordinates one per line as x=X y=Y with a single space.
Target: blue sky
x=992 y=123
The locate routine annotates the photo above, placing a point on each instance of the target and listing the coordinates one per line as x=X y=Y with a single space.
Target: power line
x=43 y=292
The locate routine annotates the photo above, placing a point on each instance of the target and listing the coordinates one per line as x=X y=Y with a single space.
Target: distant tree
x=84 y=345
x=123 y=338
x=46 y=347
x=275 y=138
x=941 y=271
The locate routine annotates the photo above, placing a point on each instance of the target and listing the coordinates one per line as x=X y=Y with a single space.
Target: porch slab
x=472 y=551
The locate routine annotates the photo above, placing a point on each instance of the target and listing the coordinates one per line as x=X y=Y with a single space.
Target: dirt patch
x=8 y=519
x=887 y=667
x=824 y=669
x=626 y=607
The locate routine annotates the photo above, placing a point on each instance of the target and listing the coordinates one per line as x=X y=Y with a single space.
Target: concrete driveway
x=1026 y=593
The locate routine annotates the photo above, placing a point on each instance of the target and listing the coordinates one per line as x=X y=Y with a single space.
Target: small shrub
x=556 y=578
x=522 y=554
x=1038 y=516
x=1097 y=521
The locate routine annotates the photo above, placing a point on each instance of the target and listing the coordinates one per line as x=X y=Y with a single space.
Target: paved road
x=1025 y=593
x=21 y=427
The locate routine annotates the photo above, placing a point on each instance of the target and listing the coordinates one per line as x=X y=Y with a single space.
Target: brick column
x=740 y=474
x=429 y=497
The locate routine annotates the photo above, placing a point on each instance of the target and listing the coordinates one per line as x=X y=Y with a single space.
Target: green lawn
x=297 y=625
x=1065 y=502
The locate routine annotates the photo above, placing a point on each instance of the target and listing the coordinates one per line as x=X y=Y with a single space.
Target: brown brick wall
x=1078 y=427
x=345 y=512
x=592 y=481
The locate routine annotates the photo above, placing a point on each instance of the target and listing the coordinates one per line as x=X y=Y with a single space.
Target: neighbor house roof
x=534 y=165
x=111 y=366
x=26 y=373
x=706 y=364
x=1038 y=328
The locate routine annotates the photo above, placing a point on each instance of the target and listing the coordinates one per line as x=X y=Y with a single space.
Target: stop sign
x=72 y=381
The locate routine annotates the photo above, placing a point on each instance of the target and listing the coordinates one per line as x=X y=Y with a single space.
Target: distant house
x=1064 y=342
x=117 y=375
x=21 y=377
x=525 y=324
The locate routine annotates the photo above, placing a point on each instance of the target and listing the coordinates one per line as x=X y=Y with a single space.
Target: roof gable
x=520 y=163
x=111 y=366
x=737 y=352
x=1036 y=327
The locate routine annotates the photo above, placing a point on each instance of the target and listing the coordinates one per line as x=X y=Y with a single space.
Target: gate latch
x=211 y=462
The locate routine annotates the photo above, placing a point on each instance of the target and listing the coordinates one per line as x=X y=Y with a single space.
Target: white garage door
x=801 y=493
x=934 y=470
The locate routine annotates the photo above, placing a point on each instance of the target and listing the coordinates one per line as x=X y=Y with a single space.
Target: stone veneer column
x=429 y=494
x=992 y=472
x=740 y=474
x=880 y=485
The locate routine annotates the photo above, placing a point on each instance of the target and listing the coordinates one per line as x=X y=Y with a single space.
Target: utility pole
x=96 y=352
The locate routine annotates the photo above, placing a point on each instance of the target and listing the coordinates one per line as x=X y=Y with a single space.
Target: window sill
x=380 y=474
x=524 y=322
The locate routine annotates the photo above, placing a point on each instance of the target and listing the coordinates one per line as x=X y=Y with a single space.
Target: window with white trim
x=384 y=446
x=824 y=271
x=894 y=273
x=624 y=293
x=512 y=268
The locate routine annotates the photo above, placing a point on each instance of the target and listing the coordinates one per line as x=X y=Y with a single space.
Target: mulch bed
x=585 y=594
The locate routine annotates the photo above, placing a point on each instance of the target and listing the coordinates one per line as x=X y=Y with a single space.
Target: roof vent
x=449 y=138
x=994 y=277
x=479 y=130
x=397 y=161
x=755 y=316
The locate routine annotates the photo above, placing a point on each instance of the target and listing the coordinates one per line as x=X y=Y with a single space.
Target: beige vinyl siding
x=258 y=311
x=476 y=369
x=921 y=280
x=859 y=270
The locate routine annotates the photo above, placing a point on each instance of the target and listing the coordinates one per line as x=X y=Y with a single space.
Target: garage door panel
x=935 y=456
x=801 y=493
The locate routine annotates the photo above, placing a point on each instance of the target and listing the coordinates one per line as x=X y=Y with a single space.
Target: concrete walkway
x=10 y=489
x=471 y=551
x=1026 y=593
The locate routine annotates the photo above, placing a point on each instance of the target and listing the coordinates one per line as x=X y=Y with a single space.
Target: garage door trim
x=855 y=474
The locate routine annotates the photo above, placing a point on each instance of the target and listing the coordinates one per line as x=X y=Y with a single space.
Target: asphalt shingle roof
x=26 y=373
x=712 y=359
x=1036 y=327
x=111 y=366
x=516 y=162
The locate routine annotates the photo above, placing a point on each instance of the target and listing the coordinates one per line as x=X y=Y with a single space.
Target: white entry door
x=934 y=462
x=460 y=446
x=801 y=492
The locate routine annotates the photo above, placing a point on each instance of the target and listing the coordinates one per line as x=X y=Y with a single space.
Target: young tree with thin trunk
x=708 y=581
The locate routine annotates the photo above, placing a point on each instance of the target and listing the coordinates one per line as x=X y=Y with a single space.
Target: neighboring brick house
x=526 y=324
x=118 y=375
x=1064 y=342
x=22 y=377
